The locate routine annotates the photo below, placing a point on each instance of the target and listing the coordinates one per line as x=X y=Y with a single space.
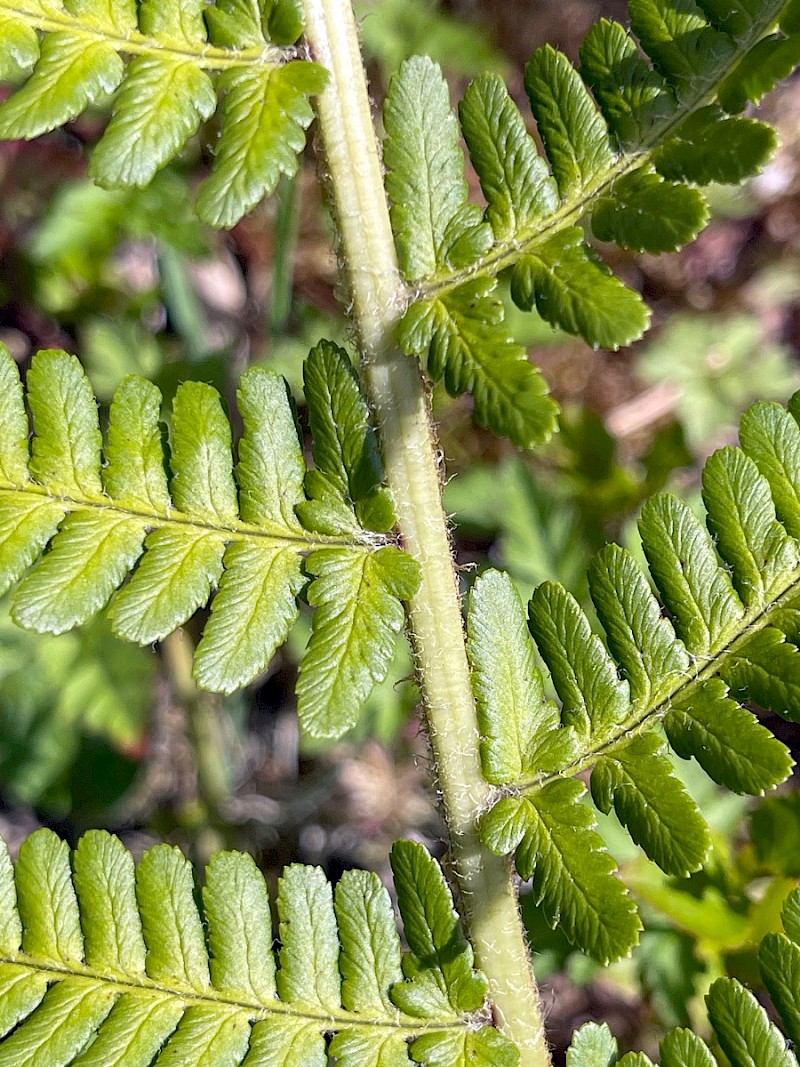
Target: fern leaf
x=484 y=1048
x=464 y=336
x=772 y=60
x=370 y=966
x=514 y=178
x=156 y=549
x=710 y=146
x=682 y=44
x=743 y=1029
x=574 y=132
x=767 y=667
x=741 y=1026
x=725 y=739
x=162 y=102
x=640 y=638
x=20 y=47
x=682 y=1048
x=573 y=874
x=468 y=349
x=438 y=967
x=754 y=543
x=345 y=445
x=359 y=612
x=696 y=589
x=626 y=142
x=594 y=699
x=632 y=96
x=779 y=961
x=111 y=965
x=167 y=63
x=524 y=738
x=730 y=589
x=652 y=804
x=571 y=287
x=264 y=119
x=592 y=1046
x=627 y=216
x=433 y=222
x=68 y=78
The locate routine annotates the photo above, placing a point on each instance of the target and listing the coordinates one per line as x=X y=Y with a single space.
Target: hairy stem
x=398 y=397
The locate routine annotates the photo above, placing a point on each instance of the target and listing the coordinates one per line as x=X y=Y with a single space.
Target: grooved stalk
x=396 y=390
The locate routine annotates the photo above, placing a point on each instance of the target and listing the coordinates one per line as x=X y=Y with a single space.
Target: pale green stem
x=488 y=899
x=209 y=745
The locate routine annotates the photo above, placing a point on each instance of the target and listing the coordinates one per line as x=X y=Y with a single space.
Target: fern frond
x=166 y=61
x=741 y=1025
x=626 y=140
x=117 y=528
x=731 y=590
x=105 y=964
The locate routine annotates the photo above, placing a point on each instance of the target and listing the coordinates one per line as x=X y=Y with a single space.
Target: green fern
x=101 y=964
x=165 y=61
x=733 y=599
x=627 y=141
x=111 y=516
x=741 y=1025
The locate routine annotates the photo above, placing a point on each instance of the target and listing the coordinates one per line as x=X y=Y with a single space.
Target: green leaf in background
x=717 y=365
x=538 y=531
x=56 y=691
x=775 y=832
x=394 y=30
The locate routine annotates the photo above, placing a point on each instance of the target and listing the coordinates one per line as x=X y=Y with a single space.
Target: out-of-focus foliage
x=393 y=30
x=83 y=696
x=717 y=365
